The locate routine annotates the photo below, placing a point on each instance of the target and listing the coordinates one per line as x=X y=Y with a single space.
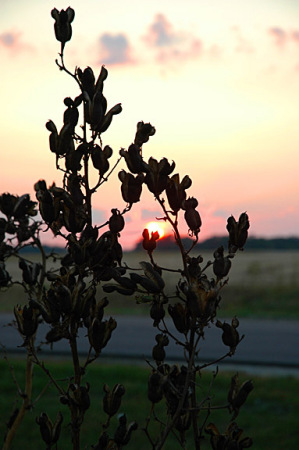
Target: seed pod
x=180 y=317
x=99 y=333
x=116 y=221
x=230 y=335
x=131 y=186
x=221 y=264
x=62 y=26
x=242 y=394
x=27 y=319
x=143 y=133
x=112 y=400
x=149 y=242
x=123 y=432
x=192 y=216
x=157 y=312
x=158 y=175
x=50 y=432
x=155 y=387
x=133 y=159
x=158 y=352
x=80 y=396
x=238 y=232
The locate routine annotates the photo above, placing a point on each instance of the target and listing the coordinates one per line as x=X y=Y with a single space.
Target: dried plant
x=65 y=298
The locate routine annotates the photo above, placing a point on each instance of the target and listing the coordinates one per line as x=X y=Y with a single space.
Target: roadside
x=269 y=346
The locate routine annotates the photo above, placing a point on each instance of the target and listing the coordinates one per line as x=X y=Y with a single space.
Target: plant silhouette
x=75 y=295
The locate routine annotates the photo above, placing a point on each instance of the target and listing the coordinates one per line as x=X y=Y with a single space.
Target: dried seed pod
x=175 y=191
x=230 y=335
x=191 y=215
x=116 y=221
x=155 y=387
x=157 y=175
x=143 y=133
x=134 y=159
x=50 y=432
x=221 y=264
x=62 y=26
x=123 y=432
x=112 y=399
x=131 y=186
x=180 y=317
x=238 y=232
x=158 y=352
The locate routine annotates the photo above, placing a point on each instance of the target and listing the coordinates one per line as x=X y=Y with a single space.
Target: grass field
x=261 y=284
x=270 y=415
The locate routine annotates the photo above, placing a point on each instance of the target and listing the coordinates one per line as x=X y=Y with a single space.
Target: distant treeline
x=253 y=243
x=167 y=243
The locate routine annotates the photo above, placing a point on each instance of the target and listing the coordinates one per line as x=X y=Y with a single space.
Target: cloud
x=295 y=36
x=170 y=44
x=115 y=49
x=99 y=216
x=150 y=215
x=242 y=44
x=12 y=41
x=221 y=213
x=279 y=35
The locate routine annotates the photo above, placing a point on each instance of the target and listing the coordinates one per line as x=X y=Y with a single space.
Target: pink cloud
x=279 y=35
x=115 y=49
x=171 y=44
x=295 y=36
x=12 y=41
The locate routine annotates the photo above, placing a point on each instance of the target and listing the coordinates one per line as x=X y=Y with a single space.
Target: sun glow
x=156 y=226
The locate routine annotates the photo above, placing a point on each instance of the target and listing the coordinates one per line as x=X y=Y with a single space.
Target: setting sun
x=156 y=226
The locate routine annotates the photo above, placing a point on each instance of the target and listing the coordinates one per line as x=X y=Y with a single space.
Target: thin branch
x=104 y=179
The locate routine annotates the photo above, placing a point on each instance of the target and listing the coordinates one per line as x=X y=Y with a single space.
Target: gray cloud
x=115 y=49
x=11 y=40
x=99 y=216
x=169 y=43
x=8 y=39
x=150 y=215
x=221 y=213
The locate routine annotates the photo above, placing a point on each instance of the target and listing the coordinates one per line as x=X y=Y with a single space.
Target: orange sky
x=219 y=81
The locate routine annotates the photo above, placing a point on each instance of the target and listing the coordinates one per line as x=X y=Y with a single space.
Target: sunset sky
x=219 y=80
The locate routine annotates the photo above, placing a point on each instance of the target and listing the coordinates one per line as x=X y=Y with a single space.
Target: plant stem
x=194 y=413
x=75 y=423
x=25 y=405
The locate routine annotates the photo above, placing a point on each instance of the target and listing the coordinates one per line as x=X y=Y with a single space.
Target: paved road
x=267 y=343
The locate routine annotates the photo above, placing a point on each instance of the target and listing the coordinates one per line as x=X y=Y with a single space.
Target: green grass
x=270 y=415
